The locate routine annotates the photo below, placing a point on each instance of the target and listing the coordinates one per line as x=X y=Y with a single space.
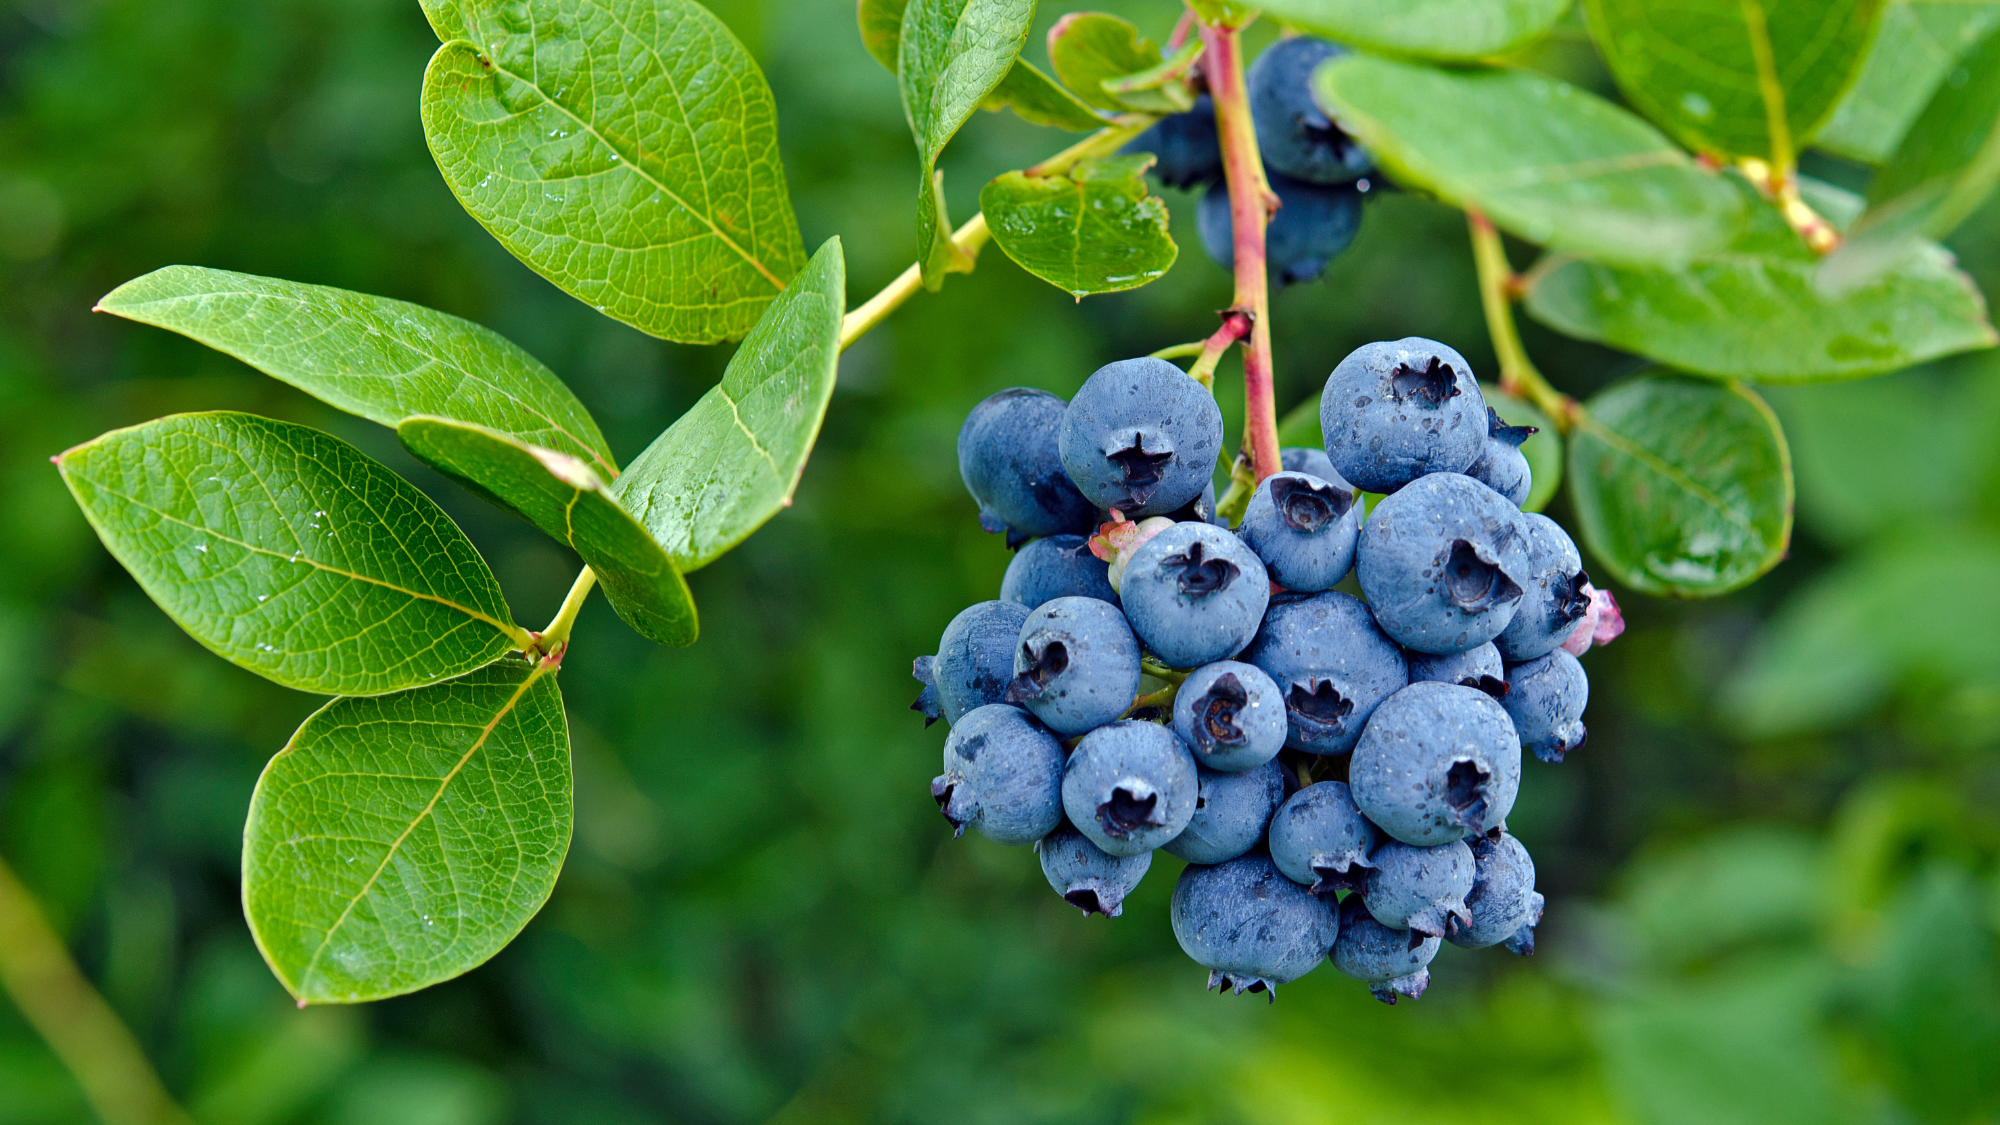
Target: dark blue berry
x=1230 y=813
x=1251 y=927
x=1313 y=226
x=1060 y=566
x=1007 y=456
x=1002 y=775
x=1503 y=905
x=1088 y=877
x=1319 y=838
x=1421 y=890
x=1187 y=149
x=975 y=658
x=1546 y=697
x=1553 y=595
x=1294 y=134
x=1501 y=466
x=1333 y=664
x=1392 y=962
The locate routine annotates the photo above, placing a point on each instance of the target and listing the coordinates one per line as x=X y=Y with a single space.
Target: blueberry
x=1195 y=594
x=1443 y=563
x=1320 y=838
x=1437 y=763
x=1503 y=904
x=1251 y=927
x=1141 y=437
x=1304 y=528
x=1474 y=668
x=1230 y=813
x=1313 y=462
x=1333 y=664
x=1076 y=665
x=1313 y=226
x=1002 y=775
x=1231 y=715
x=1392 y=962
x=1186 y=147
x=975 y=659
x=1501 y=465
x=1295 y=135
x=1201 y=509
x=1398 y=409
x=1546 y=697
x=1088 y=877
x=1554 y=597
x=1007 y=456
x=1130 y=786
x=1060 y=566
x=1421 y=890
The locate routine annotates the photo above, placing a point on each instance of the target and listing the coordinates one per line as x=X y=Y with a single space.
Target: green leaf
x=1088 y=48
x=291 y=553
x=565 y=498
x=1917 y=43
x=953 y=54
x=1222 y=13
x=400 y=841
x=1300 y=426
x=1546 y=161
x=881 y=29
x=381 y=359
x=1438 y=29
x=1753 y=311
x=1735 y=78
x=1682 y=487
x=627 y=151
x=1094 y=230
x=1543 y=449
x=1040 y=100
x=733 y=460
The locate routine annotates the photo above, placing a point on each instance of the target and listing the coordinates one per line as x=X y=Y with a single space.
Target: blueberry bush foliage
x=628 y=151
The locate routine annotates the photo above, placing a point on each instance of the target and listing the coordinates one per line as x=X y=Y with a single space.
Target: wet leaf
x=1038 y=99
x=1917 y=43
x=1439 y=29
x=1094 y=230
x=1089 y=48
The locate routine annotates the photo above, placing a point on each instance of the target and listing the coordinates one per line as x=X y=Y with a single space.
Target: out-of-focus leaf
x=278 y=1075
x=402 y=840
x=1917 y=43
x=1300 y=425
x=625 y=150
x=1735 y=78
x=1439 y=29
x=733 y=460
x=1040 y=100
x=1546 y=161
x=1736 y=890
x=1682 y=487
x=384 y=360
x=1093 y=230
x=1089 y=48
x=881 y=29
x=291 y=553
x=1543 y=449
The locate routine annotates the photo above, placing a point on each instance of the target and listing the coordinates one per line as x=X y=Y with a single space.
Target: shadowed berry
x=1230 y=813
x=1002 y=775
x=1088 y=877
x=1251 y=927
x=1332 y=664
x=1008 y=458
x=1319 y=838
x=1392 y=962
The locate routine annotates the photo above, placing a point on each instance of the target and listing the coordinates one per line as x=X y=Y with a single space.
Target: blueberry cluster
x=1319 y=173
x=1336 y=772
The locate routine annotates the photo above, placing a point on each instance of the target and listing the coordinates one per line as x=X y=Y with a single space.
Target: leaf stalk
x=551 y=643
x=1518 y=376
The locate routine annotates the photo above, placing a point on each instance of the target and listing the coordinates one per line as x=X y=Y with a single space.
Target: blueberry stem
x=1154 y=668
x=1163 y=698
x=1518 y=377
x=1179 y=351
x=1236 y=498
x=1780 y=185
x=1235 y=326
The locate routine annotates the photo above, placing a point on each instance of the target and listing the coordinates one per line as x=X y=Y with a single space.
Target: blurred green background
x=1774 y=873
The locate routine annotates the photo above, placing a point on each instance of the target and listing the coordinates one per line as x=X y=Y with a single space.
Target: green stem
x=1518 y=377
x=1160 y=671
x=552 y=642
x=1236 y=498
x=1179 y=351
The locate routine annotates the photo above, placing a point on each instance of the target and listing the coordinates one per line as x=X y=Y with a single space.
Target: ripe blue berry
x=1503 y=904
x=1438 y=762
x=1398 y=409
x=1251 y=927
x=1295 y=135
x=1546 y=697
x=1443 y=563
x=1421 y=890
x=1314 y=225
x=1008 y=459
x=1076 y=665
x=1313 y=462
x=1474 y=668
x=1195 y=594
x=1230 y=813
x=1502 y=466
x=1185 y=146
x=1060 y=566
x=1553 y=598
x=1231 y=715
x=1304 y=528
x=1319 y=838
x=1088 y=877
x=1333 y=664
x=1130 y=786
x=1141 y=437
x=975 y=658
x=1002 y=775
x=1392 y=962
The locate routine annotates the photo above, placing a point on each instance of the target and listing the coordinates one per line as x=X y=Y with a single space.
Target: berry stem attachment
x=1518 y=377
x=1235 y=326
x=552 y=641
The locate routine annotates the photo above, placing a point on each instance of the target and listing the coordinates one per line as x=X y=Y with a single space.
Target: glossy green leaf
x=1094 y=230
x=1089 y=48
x=1438 y=29
x=291 y=553
x=953 y=54
x=1682 y=487
x=734 y=460
x=1546 y=161
x=1543 y=449
x=1735 y=77
x=881 y=23
x=627 y=150
x=1917 y=43
x=1040 y=100
x=400 y=841
x=382 y=359
x=567 y=499
x=1754 y=312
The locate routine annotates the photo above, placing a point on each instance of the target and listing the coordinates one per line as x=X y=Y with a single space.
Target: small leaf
x=1040 y=100
x=291 y=553
x=1682 y=487
x=381 y=359
x=625 y=150
x=1222 y=13
x=732 y=461
x=1546 y=161
x=1917 y=43
x=1438 y=29
x=1753 y=312
x=565 y=498
x=881 y=29
x=400 y=841
x=1543 y=449
x=1735 y=78
x=1094 y=230
x=1088 y=48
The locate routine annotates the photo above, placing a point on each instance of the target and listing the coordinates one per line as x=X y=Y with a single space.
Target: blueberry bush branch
x=1497 y=286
